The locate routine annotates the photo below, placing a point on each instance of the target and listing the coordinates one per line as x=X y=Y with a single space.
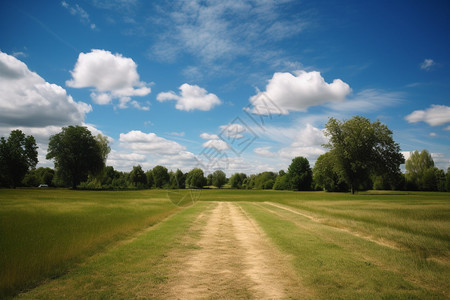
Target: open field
x=231 y=244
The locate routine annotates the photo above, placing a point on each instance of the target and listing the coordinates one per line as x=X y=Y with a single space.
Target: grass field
x=45 y=232
x=231 y=244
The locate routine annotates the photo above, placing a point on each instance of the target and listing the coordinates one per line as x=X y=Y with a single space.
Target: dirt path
x=231 y=259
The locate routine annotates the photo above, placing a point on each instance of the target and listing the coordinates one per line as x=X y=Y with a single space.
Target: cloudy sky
x=240 y=85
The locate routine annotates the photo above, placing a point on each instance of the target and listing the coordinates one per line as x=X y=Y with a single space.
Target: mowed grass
x=372 y=245
x=44 y=232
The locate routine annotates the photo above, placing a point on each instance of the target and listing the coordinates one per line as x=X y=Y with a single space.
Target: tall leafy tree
x=160 y=176
x=417 y=170
x=195 y=178
x=18 y=155
x=138 y=177
x=219 y=178
x=300 y=174
x=237 y=180
x=177 y=180
x=361 y=149
x=77 y=153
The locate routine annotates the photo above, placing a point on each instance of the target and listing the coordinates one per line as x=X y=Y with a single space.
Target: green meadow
x=44 y=232
x=72 y=244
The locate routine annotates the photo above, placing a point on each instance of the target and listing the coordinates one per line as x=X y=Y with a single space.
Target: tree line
x=362 y=155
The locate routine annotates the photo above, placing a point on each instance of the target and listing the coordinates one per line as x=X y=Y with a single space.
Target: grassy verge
x=139 y=268
x=45 y=232
x=339 y=264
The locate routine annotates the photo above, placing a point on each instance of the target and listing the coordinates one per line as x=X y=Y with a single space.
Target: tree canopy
x=361 y=149
x=77 y=154
x=195 y=178
x=160 y=176
x=300 y=174
x=18 y=155
x=219 y=178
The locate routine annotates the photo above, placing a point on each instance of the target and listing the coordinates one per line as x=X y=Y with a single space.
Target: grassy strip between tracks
x=336 y=263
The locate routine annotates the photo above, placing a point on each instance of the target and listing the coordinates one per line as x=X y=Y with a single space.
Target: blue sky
x=244 y=86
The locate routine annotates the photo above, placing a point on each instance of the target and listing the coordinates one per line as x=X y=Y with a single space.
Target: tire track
x=233 y=259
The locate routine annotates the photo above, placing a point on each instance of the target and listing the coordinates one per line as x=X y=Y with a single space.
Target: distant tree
x=137 y=177
x=195 y=178
x=161 y=176
x=150 y=180
x=209 y=180
x=416 y=167
x=440 y=180
x=237 y=180
x=39 y=176
x=177 y=180
x=300 y=174
x=219 y=178
x=264 y=180
x=76 y=154
x=447 y=180
x=18 y=155
x=282 y=182
x=362 y=149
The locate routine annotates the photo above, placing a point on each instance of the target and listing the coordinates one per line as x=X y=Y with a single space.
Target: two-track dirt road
x=232 y=259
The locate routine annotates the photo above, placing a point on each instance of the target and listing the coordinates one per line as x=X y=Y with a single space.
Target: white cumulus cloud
x=435 y=115
x=287 y=92
x=149 y=143
x=191 y=97
x=112 y=76
x=208 y=136
x=26 y=99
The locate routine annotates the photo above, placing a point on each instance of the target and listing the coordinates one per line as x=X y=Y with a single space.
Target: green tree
x=282 y=182
x=362 y=149
x=137 y=177
x=416 y=167
x=264 y=180
x=300 y=174
x=161 y=176
x=76 y=154
x=195 y=178
x=440 y=180
x=18 y=155
x=150 y=181
x=447 y=180
x=237 y=180
x=219 y=178
x=325 y=175
x=177 y=180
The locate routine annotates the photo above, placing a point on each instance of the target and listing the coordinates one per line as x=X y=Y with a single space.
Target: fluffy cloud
x=427 y=64
x=286 y=92
x=148 y=150
x=26 y=99
x=207 y=136
x=307 y=142
x=436 y=115
x=214 y=142
x=264 y=151
x=234 y=130
x=149 y=143
x=111 y=75
x=191 y=97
